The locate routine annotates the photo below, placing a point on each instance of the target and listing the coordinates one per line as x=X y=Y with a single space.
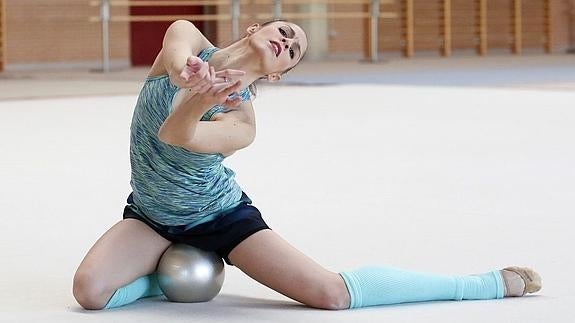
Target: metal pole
x=105 y=17
x=373 y=30
x=277 y=9
x=235 y=19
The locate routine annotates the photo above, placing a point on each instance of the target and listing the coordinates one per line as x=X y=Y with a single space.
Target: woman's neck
x=237 y=56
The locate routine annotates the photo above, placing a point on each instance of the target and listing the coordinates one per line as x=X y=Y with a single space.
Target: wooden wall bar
x=548 y=29
x=450 y=25
x=2 y=35
x=517 y=30
x=446 y=13
x=408 y=28
x=482 y=27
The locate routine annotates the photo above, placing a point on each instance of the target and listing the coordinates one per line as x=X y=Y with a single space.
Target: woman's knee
x=89 y=290
x=332 y=295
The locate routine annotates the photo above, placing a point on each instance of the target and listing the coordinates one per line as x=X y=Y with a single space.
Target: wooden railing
x=447 y=15
x=373 y=15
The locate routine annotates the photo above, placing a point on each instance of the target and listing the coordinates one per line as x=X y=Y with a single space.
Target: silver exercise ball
x=188 y=275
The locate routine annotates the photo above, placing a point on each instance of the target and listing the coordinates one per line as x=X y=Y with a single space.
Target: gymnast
x=194 y=110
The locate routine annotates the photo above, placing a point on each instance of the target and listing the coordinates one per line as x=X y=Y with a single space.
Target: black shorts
x=220 y=235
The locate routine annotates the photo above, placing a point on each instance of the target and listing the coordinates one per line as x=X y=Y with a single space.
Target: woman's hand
x=194 y=75
x=222 y=90
x=199 y=77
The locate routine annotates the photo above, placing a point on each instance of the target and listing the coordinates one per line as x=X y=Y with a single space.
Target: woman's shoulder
x=184 y=29
x=180 y=35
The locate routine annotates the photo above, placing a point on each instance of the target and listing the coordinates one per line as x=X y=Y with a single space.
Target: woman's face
x=280 y=45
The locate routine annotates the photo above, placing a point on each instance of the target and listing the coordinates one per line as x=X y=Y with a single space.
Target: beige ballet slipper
x=531 y=279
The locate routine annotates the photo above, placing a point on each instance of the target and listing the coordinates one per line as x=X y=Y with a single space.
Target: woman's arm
x=227 y=132
x=182 y=42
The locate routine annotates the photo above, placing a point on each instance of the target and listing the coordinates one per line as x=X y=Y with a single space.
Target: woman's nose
x=286 y=42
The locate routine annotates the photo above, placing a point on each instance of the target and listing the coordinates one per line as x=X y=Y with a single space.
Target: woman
x=193 y=111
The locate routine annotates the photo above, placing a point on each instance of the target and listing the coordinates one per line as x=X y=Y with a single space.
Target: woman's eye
x=291 y=53
x=282 y=32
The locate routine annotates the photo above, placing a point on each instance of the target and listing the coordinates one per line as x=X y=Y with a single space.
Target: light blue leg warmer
x=371 y=286
x=145 y=286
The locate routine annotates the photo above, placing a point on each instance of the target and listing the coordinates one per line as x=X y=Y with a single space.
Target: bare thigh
x=127 y=251
x=272 y=261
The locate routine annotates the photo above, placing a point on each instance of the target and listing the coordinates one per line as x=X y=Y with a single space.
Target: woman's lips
x=276 y=47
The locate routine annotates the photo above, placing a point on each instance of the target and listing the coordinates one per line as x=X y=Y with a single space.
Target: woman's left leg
x=272 y=261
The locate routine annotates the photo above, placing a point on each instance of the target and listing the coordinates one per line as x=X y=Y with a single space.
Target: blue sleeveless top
x=172 y=185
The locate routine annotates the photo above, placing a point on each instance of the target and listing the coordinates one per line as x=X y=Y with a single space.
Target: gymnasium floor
x=462 y=168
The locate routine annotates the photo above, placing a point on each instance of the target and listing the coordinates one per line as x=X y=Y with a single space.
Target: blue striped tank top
x=172 y=185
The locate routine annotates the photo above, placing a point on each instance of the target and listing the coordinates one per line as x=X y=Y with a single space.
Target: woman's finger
x=217 y=87
x=229 y=73
x=234 y=87
x=194 y=63
x=202 y=72
x=208 y=75
x=205 y=88
x=229 y=88
x=233 y=103
x=224 y=80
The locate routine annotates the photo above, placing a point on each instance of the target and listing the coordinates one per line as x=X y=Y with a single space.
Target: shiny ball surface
x=188 y=275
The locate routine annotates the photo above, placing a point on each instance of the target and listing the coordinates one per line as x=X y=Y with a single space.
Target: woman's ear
x=253 y=28
x=274 y=77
